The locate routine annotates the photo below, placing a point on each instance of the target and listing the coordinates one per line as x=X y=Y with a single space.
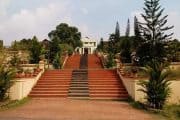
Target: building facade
x=89 y=46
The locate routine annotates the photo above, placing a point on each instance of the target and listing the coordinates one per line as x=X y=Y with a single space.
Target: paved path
x=74 y=110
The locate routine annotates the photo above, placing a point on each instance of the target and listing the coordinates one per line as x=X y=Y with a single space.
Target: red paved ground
x=59 y=109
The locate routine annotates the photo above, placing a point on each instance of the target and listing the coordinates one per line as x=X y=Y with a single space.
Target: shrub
x=57 y=62
x=110 y=62
x=6 y=76
x=157 y=87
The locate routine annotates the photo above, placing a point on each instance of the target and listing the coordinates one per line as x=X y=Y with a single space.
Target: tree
x=1 y=44
x=6 y=76
x=117 y=39
x=138 y=41
x=125 y=48
x=35 y=51
x=117 y=32
x=57 y=64
x=154 y=32
x=128 y=28
x=64 y=34
x=157 y=87
x=173 y=51
x=101 y=45
x=112 y=44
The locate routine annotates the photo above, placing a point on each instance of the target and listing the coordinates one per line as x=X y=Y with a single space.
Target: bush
x=6 y=76
x=157 y=87
x=110 y=62
x=57 y=62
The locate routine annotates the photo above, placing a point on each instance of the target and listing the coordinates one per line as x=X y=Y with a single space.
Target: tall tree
x=137 y=32
x=128 y=28
x=1 y=44
x=154 y=32
x=35 y=50
x=64 y=34
x=117 y=32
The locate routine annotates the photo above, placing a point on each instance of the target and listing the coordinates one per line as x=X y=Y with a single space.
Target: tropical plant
x=57 y=64
x=110 y=61
x=6 y=76
x=157 y=87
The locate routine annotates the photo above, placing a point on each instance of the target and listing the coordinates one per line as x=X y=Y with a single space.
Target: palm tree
x=157 y=87
x=6 y=76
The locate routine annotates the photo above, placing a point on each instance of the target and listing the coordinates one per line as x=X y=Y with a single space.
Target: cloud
x=173 y=19
x=38 y=22
x=84 y=11
x=3 y=7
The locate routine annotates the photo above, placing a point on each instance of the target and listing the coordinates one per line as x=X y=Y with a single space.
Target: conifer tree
x=128 y=28
x=137 y=39
x=117 y=32
x=154 y=32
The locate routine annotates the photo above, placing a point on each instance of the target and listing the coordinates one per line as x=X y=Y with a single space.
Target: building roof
x=87 y=39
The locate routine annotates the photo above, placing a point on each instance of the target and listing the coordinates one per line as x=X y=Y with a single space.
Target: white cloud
x=38 y=22
x=173 y=19
x=3 y=7
x=84 y=11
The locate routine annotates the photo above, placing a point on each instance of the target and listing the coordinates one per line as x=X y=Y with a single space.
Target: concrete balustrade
x=132 y=86
x=23 y=86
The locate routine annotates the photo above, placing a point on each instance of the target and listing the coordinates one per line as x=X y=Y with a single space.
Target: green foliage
x=137 y=41
x=24 y=44
x=13 y=104
x=15 y=61
x=110 y=61
x=1 y=44
x=128 y=28
x=172 y=112
x=64 y=34
x=100 y=47
x=6 y=76
x=57 y=64
x=66 y=48
x=157 y=87
x=153 y=32
x=125 y=47
x=174 y=51
x=35 y=51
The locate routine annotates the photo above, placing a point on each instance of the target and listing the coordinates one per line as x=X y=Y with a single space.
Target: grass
x=13 y=104
x=170 y=112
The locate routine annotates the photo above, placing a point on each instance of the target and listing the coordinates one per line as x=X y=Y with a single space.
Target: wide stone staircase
x=83 y=77
x=52 y=84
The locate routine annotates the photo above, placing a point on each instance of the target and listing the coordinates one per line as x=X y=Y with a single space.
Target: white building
x=89 y=46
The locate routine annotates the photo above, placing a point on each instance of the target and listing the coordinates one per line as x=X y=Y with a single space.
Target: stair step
x=47 y=95
x=49 y=92
x=78 y=94
x=78 y=91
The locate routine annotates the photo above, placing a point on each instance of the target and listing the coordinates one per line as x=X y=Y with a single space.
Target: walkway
x=66 y=109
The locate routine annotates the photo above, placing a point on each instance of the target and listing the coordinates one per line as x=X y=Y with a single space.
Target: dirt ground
x=67 y=109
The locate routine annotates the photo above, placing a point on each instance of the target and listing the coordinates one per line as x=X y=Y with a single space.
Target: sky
x=94 y=18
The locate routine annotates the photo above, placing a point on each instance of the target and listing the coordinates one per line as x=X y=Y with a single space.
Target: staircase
x=73 y=62
x=106 y=84
x=79 y=85
x=91 y=81
x=52 y=84
x=94 y=62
